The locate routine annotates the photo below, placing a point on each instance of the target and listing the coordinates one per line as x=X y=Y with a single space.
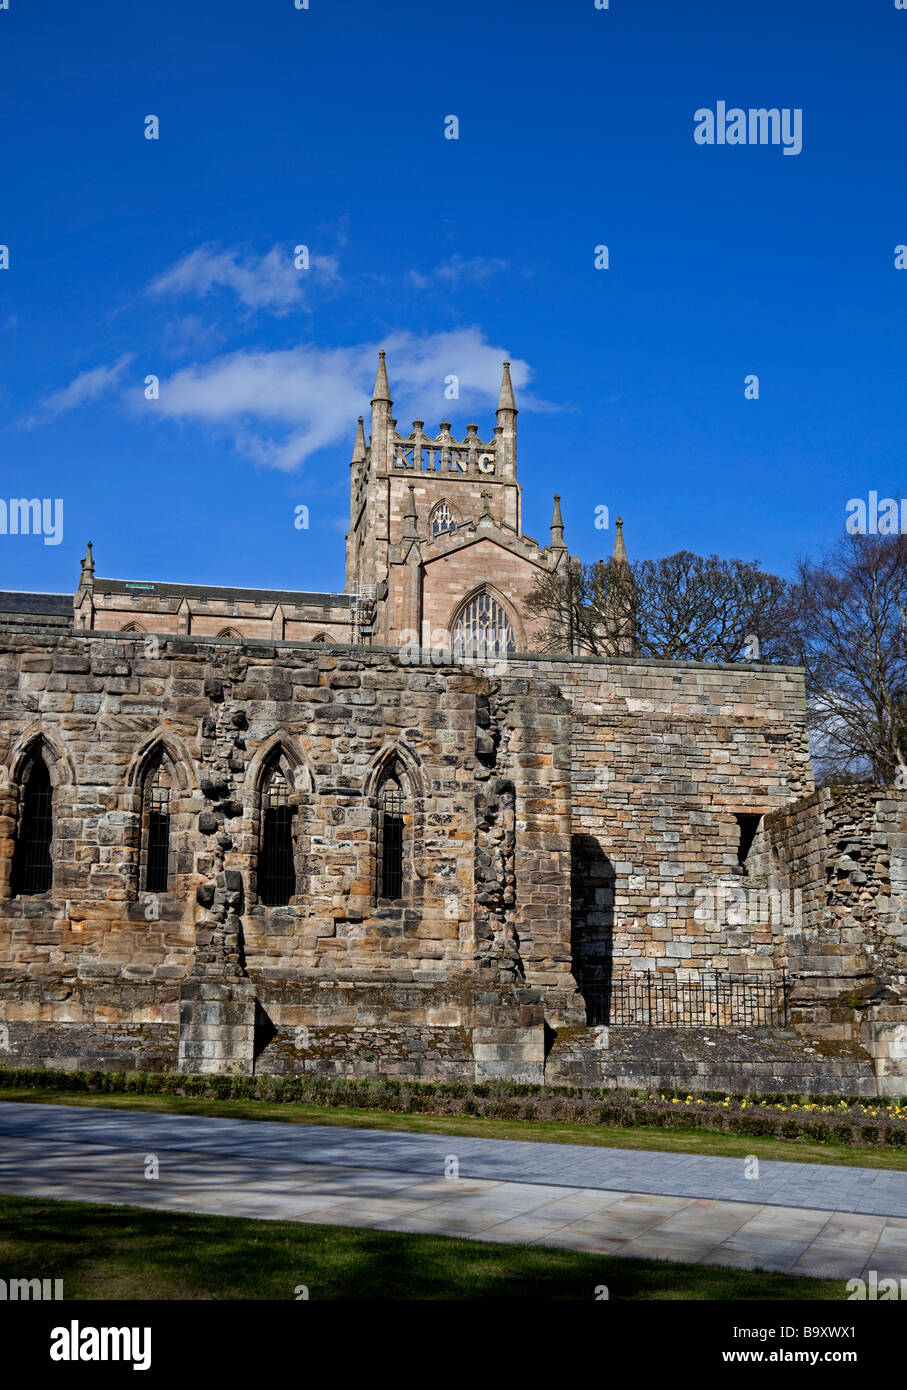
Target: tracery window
x=443 y=520
x=483 y=628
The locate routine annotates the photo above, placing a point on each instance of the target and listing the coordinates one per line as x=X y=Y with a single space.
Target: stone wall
x=732 y=1060
x=612 y=786
x=845 y=850
x=666 y=756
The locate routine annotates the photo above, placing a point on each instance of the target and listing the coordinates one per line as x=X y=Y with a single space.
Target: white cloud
x=190 y=334
x=269 y=282
x=87 y=386
x=281 y=407
x=458 y=270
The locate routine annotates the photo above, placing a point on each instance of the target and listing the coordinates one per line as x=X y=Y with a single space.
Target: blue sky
x=325 y=127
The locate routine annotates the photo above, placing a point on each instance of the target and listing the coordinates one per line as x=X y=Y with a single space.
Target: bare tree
x=685 y=607
x=852 y=636
x=584 y=608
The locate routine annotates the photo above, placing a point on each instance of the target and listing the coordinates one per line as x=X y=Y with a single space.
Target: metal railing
x=702 y=999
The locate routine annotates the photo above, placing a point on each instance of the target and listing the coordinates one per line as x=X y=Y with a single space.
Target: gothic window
x=155 y=854
x=442 y=520
x=133 y=627
x=32 y=867
x=228 y=632
x=389 y=857
x=483 y=628
x=322 y=637
x=276 y=866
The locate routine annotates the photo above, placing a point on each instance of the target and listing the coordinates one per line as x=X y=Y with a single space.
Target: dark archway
x=592 y=924
x=32 y=870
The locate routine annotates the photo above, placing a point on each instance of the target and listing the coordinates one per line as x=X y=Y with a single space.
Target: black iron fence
x=702 y=999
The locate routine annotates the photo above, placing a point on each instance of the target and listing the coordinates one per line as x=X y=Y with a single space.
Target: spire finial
x=505 y=400
x=410 y=516
x=557 y=525
x=87 y=575
x=619 y=555
x=382 y=387
x=359 y=444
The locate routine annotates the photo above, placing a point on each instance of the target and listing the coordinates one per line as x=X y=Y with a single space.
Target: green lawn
x=673 y=1141
x=111 y=1252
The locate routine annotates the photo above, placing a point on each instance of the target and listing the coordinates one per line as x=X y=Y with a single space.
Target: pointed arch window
x=443 y=520
x=134 y=627
x=32 y=870
x=155 y=856
x=483 y=628
x=276 y=861
x=391 y=823
x=228 y=632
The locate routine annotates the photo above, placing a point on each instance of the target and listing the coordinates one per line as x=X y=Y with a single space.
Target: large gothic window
x=443 y=520
x=32 y=867
x=276 y=864
x=483 y=628
x=155 y=853
x=389 y=857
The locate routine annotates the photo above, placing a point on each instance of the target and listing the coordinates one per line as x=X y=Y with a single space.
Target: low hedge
x=851 y=1120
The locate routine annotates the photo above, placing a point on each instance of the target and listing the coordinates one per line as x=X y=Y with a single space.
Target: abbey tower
x=436 y=535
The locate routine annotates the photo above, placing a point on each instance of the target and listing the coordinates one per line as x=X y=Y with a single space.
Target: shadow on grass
x=109 y=1252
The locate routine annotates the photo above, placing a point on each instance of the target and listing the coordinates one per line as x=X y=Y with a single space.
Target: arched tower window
x=276 y=864
x=389 y=857
x=443 y=520
x=32 y=866
x=483 y=628
x=155 y=850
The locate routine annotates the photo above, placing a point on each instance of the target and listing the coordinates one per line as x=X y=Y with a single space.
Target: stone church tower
x=436 y=535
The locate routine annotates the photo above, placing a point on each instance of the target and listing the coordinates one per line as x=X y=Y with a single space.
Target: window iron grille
x=32 y=864
x=156 y=823
x=660 y=999
x=389 y=858
x=276 y=864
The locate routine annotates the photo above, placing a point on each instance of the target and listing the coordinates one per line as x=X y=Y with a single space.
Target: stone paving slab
x=819 y=1187
x=82 y=1155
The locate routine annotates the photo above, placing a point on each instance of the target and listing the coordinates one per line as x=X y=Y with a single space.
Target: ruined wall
x=613 y=787
x=845 y=848
x=120 y=974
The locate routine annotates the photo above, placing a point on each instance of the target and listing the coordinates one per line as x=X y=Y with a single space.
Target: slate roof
x=229 y=595
x=56 y=605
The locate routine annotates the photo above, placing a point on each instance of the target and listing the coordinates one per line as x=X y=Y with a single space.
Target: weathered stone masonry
x=845 y=849
x=615 y=785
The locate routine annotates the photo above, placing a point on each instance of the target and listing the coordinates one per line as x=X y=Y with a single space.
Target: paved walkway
x=798 y=1218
